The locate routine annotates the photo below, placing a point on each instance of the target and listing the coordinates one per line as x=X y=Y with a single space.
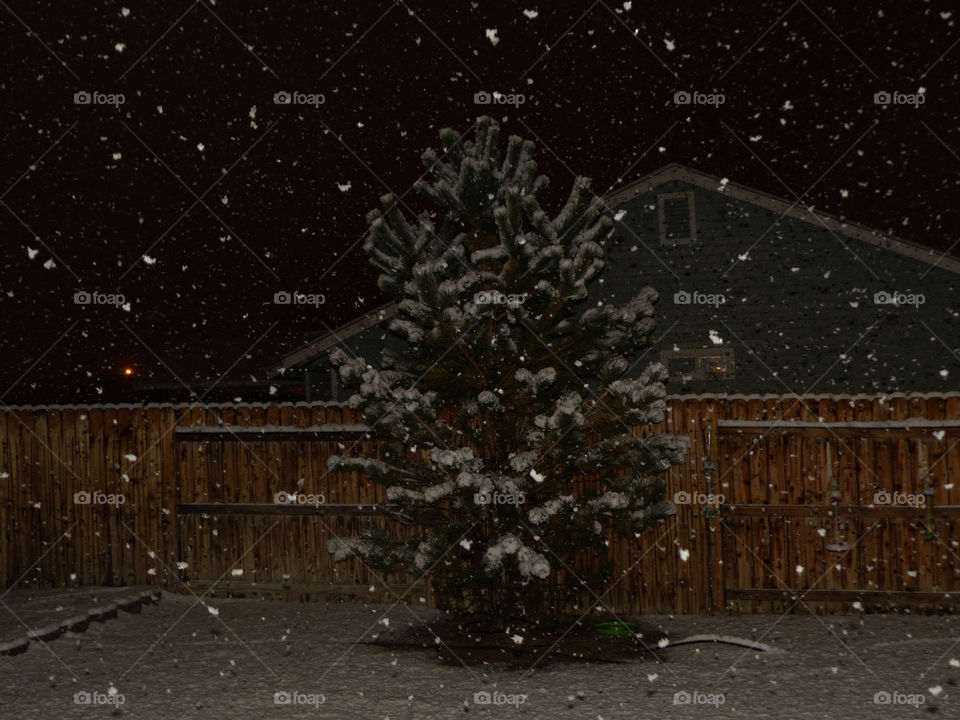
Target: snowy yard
x=177 y=659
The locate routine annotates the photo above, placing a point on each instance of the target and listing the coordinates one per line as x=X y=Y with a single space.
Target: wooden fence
x=198 y=506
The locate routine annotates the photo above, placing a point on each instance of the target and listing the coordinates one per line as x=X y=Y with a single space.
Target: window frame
x=701 y=370
x=691 y=211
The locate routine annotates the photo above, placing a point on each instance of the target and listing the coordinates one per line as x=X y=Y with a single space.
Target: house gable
x=791 y=294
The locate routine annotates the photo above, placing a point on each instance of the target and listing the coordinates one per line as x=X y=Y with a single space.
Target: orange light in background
x=128 y=371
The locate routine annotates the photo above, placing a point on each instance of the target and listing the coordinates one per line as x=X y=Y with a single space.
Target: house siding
x=798 y=309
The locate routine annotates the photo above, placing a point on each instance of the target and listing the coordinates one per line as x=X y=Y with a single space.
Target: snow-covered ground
x=178 y=659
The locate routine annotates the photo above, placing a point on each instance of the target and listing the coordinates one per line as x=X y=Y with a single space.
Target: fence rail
x=167 y=495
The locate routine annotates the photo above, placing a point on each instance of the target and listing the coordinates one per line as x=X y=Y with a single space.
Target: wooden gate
x=823 y=515
x=257 y=507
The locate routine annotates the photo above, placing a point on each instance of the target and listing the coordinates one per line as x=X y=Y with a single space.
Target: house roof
x=669 y=173
x=319 y=345
x=676 y=172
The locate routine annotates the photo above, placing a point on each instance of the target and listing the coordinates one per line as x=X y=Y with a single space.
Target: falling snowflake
x=31 y=253
x=344 y=187
x=119 y=47
x=669 y=43
x=49 y=264
x=517 y=638
x=492 y=36
x=537 y=477
x=799 y=569
x=212 y=610
x=131 y=457
x=149 y=260
x=531 y=13
x=684 y=554
x=663 y=643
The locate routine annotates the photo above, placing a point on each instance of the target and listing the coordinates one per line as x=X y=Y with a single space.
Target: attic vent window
x=698 y=364
x=678 y=224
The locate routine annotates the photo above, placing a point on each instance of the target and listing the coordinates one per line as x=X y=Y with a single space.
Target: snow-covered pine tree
x=510 y=388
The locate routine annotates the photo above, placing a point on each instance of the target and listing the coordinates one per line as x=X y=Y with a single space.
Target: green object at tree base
x=617 y=627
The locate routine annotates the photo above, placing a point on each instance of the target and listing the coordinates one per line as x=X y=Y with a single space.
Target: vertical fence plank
x=8 y=519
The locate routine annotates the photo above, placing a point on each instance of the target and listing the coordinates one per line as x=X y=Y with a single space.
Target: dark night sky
x=284 y=189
